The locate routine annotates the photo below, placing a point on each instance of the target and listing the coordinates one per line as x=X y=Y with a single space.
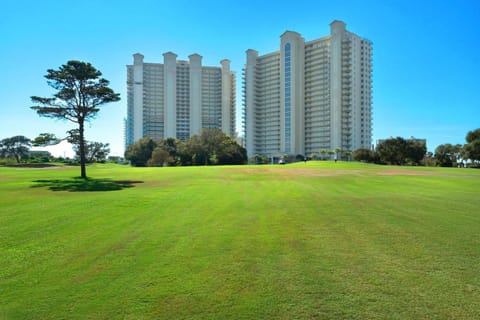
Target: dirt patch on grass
x=97 y=266
x=403 y=172
x=295 y=172
x=316 y=172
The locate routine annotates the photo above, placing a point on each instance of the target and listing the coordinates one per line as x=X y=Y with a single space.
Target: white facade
x=178 y=98
x=309 y=95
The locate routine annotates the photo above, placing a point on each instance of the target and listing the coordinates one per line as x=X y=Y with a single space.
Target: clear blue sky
x=426 y=54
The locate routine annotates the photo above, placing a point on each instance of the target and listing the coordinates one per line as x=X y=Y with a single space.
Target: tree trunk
x=81 y=144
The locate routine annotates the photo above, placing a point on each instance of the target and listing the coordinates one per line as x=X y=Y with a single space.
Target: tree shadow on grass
x=85 y=185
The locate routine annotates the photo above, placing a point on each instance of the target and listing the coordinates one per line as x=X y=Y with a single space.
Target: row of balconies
x=317 y=143
x=316 y=64
x=317 y=84
x=317 y=127
x=320 y=108
x=316 y=101
x=320 y=58
x=318 y=78
x=267 y=73
x=318 y=89
x=318 y=72
x=312 y=67
x=317 y=121
x=312 y=134
x=323 y=109
x=269 y=82
x=311 y=50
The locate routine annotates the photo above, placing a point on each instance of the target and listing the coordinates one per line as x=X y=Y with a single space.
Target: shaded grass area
x=82 y=185
x=29 y=165
x=307 y=241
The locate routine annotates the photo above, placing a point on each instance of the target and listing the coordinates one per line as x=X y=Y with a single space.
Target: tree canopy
x=471 y=150
x=15 y=147
x=398 y=151
x=210 y=147
x=364 y=154
x=140 y=152
x=94 y=151
x=80 y=93
x=446 y=155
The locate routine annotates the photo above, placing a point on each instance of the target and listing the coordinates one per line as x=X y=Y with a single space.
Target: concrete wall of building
x=337 y=31
x=226 y=96
x=138 y=96
x=195 y=93
x=170 y=94
x=250 y=107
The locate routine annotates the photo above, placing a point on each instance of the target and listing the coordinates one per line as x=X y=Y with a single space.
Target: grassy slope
x=321 y=240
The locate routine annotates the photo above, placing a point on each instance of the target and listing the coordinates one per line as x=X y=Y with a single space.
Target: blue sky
x=426 y=54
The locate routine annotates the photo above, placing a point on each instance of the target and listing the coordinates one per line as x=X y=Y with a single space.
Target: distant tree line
x=17 y=148
x=213 y=147
x=210 y=147
x=394 y=151
x=399 y=151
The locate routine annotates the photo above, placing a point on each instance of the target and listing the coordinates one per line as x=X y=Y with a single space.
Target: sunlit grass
x=321 y=240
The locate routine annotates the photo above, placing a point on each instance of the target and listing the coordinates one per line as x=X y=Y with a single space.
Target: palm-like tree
x=337 y=150
x=323 y=152
x=346 y=155
x=331 y=153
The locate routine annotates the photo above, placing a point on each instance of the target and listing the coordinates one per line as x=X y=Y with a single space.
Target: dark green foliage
x=160 y=157
x=80 y=93
x=230 y=152
x=392 y=151
x=415 y=152
x=398 y=151
x=473 y=135
x=140 y=152
x=446 y=155
x=170 y=145
x=94 y=151
x=471 y=150
x=299 y=157
x=45 y=139
x=210 y=147
x=39 y=156
x=364 y=155
x=15 y=147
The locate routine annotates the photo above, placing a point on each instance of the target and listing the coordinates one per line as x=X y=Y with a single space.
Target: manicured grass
x=320 y=240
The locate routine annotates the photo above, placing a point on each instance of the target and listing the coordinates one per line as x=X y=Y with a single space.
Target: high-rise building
x=309 y=95
x=178 y=98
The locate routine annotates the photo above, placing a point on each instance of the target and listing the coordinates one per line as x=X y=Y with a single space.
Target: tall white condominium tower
x=178 y=98
x=309 y=95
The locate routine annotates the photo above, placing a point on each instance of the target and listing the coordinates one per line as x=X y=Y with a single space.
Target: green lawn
x=320 y=240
